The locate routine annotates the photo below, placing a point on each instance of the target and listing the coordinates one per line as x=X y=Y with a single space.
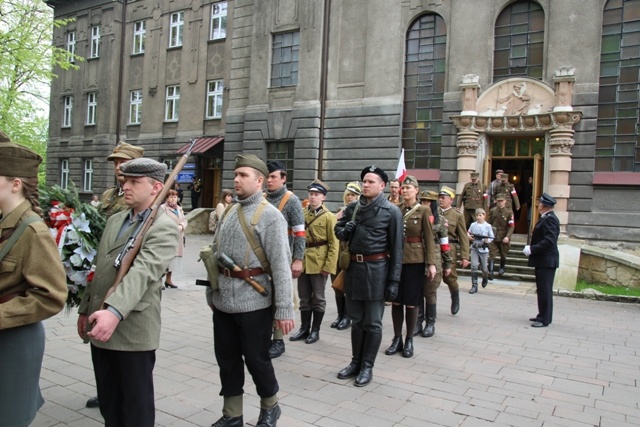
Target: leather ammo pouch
x=345 y=256
x=210 y=260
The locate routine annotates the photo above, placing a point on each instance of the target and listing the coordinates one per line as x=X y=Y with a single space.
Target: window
x=214 y=99
x=617 y=146
x=92 y=105
x=88 y=175
x=95 y=42
x=284 y=60
x=172 y=106
x=218 y=21
x=283 y=151
x=175 y=29
x=64 y=174
x=139 y=29
x=424 y=75
x=519 y=40
x=135 y=107
x=71 y=46
x=67 y=110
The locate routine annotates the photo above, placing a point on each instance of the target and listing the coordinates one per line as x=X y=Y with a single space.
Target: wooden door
x=538 y=182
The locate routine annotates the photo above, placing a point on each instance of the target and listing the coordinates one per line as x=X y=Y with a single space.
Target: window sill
x=93 y=125
x=218 y=40
x=616 y=178
x=170 y=122
x=133 y=124
x=174 y=47
x=137 y=54
x=94 y=58
x=213 y=118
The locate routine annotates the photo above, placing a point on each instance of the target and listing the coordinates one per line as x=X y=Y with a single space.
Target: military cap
x=18 y=161
x=354 y=187
x=410 y=180
x=475 y=175
x=499 y=171
x=126 y=151
x=480 y=210
x=547 y=200
x=144 y=167
x=428 y=195
x=276 y=165
x=318 y=186
x=500 y=197
x=504 y=176
x=376 y=170
x=251 y=161
x=447 y=191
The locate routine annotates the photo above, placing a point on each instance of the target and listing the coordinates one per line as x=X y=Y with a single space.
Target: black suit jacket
x=544 y=242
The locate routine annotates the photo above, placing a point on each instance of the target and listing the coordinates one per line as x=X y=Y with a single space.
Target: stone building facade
x=540 y=89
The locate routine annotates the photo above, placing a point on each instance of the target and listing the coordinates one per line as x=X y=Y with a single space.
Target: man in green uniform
x=508 y=191
x=112 y=200
x=474 y=196
x=501 y=219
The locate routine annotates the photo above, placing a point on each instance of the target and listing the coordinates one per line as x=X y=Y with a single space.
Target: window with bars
x=215 y=90
x=135 y=107
x=92 y=106
x=94 y=51
x=67 y=111
x=139 y=31
x=175 y=29
x=87 y=184
x=64 y=174
x=284 y=59
x=617 y=146
x=218 y=21
x=425 y=59
x=283 y=151
x=71 y=46
x=172 y=106
x=519 y=41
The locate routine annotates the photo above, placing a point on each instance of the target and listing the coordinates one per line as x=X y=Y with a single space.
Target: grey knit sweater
x=236 y=295
x=294 y=216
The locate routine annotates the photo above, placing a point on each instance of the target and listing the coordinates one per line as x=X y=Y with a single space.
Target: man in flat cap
x=124 y=336
x=473 y=196
x=544 y=256
x=458 y=238
x=242 y=317
x=112 y=200
x=291 y=207
x=372 y=226
x=320 y=260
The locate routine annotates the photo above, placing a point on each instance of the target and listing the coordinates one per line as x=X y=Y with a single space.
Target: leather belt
x=454 y=240
x=416 y=239
x=317 y=244
x=242 y=274
x=9 y=297
x=367 y=258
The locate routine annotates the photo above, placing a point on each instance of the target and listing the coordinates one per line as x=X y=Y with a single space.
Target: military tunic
x=112 y=201
x=442 y=254
x=458 y=238
x=502 y=221
x=473 y=196
x=509 y=193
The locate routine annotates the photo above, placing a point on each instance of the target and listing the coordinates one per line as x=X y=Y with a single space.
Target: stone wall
x=609 y=267
x=198 y=220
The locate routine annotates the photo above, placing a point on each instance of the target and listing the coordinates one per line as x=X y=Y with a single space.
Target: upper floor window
x=284 y=59
x=64 y=173
x=519 y=41
x=139 y=29
x=424 y=75
x=87 y=184
x=175 y=29
x=95 y=42
x=135 y=107
x=214 y=99
x=92 y=105
x=617 y=146
x=283 y=151
x=172 y=105
x=67 y=111
x=71 y=45
x=218 y=20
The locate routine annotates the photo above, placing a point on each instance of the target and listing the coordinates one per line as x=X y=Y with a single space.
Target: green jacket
x=323 y=257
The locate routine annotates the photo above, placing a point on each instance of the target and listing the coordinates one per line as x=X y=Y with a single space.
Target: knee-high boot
x=474 y=283
x=314 y=336
x=396 y=343
x=455 y=302
x=357 y=342
x=305 y=325
x=418 y=328
x=371 y=346
x=345 y=322
x=411 y=314
x=430 y=329
x=491 y=262
x=340 y=304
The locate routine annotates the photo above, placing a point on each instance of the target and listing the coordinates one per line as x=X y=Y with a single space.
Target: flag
x=401 y=171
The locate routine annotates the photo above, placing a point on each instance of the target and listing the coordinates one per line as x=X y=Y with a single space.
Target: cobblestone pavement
x=485 y=366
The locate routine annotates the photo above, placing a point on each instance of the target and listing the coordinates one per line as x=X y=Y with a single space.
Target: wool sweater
x=292 y=212
x=236 y=295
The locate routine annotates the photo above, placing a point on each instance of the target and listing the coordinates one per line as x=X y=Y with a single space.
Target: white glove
x=527 y=250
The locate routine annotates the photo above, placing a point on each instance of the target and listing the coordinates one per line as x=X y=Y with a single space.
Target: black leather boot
x=474 y=283
x=305 y=325
x=455 y=302
x=430 y=329
x=276 y=349
x=396 y=346
x=490 y=267
x=345 y=323
x=407 y=351
x=418 y=328
x=370 y=351
x=314 y=336
x=353 y=368
x=340 y=303
x=501 y=269
x=485 y=280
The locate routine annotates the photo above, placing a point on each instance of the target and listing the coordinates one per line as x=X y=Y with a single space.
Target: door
x=538 y=181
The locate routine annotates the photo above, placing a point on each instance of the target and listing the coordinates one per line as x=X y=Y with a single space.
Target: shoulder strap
x=251 y=238
x=413 y=209
x=16 y=234
x=355 y=211
x=284 y=200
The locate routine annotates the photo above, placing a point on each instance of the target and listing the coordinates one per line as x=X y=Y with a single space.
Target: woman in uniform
x=418 y=253
x=32 y=284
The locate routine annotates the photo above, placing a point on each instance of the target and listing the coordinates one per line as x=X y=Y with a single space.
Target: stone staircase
x=516 y=268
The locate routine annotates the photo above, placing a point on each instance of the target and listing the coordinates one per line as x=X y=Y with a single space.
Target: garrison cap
x=251 y=161
x=144 y=167
x=428 y=195
x=547 y=200
x=499 y=171
x=126 y=151
x=504 y=176
x=276 y=165
x=318 y=186
x=475 y=175
x=375 y=169
x=500 y=197
x=19 y=161
x=354 y=187
x=447 y=191
x=410 y=180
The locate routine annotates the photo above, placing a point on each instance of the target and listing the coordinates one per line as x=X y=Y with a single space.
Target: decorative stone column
x=467 y=141
x=564 y=79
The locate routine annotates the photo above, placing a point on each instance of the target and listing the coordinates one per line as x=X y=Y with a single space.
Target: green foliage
x=607 y=289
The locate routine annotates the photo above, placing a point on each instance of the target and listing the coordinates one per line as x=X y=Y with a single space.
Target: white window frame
x=176 y=27
x=71 y=46
x=139 y=35
x=67 y=111
x=135 y=107
x=172 y=104
x=87 y=185
x=215 y=90
x=92 y=107
x=95 y=42
x=64 y=173
x=218 y=21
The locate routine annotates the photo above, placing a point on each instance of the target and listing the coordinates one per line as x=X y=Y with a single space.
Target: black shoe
x=170 y=285
x=429 y=330
x=336 y=322
x=365 y=376
x=539 y=324
x=534 y=319
x=350 y=371
x=345 y=323
x=396 y=346
x=418 y=329
x=313 y=337
x=302 y=334
x=474 y=289
x=229 y=422
x=276 y=349
x=93 y=402
x=269 y=417
x=407 y=351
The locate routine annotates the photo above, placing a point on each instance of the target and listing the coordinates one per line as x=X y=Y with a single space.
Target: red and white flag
x=401 y=171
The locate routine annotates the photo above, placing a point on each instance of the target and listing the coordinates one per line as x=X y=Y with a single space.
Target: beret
x=251 y=161
x=376 y=170
x=447 y=191
x=18 y=161
x=547 y=200
x=276 y=165
x=410 y=180
x=354 y=187
x=126 y=151
x=318 y=186
x=144 y=167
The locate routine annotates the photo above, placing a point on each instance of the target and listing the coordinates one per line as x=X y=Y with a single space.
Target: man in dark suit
x=543 y=255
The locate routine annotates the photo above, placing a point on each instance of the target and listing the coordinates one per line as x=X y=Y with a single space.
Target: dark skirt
x=411 y=284
x=21 y=351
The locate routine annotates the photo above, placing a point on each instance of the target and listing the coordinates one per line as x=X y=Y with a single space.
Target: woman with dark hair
x=33 y=284
x=175 y=212
x=226 y=197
